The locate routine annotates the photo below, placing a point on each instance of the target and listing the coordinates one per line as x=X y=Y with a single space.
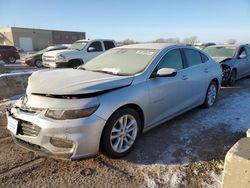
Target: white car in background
x=77 y=54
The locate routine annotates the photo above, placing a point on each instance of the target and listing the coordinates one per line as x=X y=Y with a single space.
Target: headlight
x=70 y=114
x=61 y=58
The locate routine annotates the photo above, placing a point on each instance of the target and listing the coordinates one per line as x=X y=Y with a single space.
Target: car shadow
x=190 y=137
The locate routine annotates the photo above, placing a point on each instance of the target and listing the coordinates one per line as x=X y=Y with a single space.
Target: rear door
x=198 y=73
x=168 y=95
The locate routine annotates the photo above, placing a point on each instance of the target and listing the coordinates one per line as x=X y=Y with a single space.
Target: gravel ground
x=187 y=151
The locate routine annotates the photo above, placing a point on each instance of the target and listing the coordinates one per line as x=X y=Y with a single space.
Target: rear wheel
x=12 y=59
x=211 y=95
x=120 y=133
x=232 y=78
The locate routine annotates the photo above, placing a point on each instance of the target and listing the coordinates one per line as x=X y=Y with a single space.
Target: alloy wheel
x=39 y=63
x=123 y=133
x=12 y=59
x=211 y=95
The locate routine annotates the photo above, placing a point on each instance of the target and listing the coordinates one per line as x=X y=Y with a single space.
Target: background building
x=30 y=39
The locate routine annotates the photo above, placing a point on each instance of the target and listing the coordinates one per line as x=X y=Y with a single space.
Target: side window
x=97 y=47
x=204 y=58
x=242 y=53
x=172 y=59
x=108 y=45
x=193 y=57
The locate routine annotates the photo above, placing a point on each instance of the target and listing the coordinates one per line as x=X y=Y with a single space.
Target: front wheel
x=211 y=95
x=120 y=133
x=38 y=63
x=12 y=59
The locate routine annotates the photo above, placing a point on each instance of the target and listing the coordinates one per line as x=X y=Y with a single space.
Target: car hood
x=64 y=52
x=74 y=82
x=32 y=55
x=220 y=59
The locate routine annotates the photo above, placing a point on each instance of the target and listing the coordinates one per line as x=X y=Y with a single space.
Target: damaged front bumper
x=70 y=139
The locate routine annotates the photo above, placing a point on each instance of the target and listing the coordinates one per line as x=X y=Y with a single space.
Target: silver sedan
x=106 y=103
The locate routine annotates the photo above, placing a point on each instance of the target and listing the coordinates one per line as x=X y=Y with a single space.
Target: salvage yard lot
x=187 y=151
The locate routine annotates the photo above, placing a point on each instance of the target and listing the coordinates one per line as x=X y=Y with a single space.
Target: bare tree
x=167 y=40
x=232 y=41
x=159 y=40
x=190 y=40
x=128 y=41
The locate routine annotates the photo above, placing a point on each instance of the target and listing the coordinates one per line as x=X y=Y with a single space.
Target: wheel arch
x=217 y=83
x=76 y=60
x=134 y=106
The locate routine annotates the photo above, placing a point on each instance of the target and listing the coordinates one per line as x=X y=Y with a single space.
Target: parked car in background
x=9 y=54
x=234 y=59
x=2 y=67
x=200 y=45
x=36 y=58
x=110 y=100
x=77 y=54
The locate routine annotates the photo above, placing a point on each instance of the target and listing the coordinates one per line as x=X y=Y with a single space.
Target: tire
x=232 y=78
x=211 y=95
x=12 y=60
x=38 y=63
x=122 y=142
x=74 y=63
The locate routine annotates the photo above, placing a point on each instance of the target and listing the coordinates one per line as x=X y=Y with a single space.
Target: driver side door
x=168 y=95
x=94 y=49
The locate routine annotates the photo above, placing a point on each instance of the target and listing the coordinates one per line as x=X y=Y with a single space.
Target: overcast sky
x=210 y=20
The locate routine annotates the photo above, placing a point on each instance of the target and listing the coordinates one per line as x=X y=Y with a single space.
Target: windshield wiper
x=110 y=72
x=107 y=72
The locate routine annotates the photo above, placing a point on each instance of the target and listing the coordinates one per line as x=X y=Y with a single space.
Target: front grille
x=28 y=129
x=48 y=58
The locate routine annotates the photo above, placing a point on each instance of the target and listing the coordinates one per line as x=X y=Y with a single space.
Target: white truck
x=78 y=53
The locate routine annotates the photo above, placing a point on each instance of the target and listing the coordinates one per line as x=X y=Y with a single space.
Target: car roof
x=156 y=46
x=88 y=40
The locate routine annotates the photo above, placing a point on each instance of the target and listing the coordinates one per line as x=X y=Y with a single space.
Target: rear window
x=108 y=45
x=193 y=57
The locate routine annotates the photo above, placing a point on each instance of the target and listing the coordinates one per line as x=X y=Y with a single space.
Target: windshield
x=121 y=61
x=216 y=51
x=78 y=45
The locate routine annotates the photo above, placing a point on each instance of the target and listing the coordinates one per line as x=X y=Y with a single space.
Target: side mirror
x=91 y=49
x=166 y=72
x=242 y=56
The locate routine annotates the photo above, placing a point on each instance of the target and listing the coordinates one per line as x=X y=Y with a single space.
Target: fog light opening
x=61 y=143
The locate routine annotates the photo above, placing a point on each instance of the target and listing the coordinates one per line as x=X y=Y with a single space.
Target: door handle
x=184 y=77
x=206 y=70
